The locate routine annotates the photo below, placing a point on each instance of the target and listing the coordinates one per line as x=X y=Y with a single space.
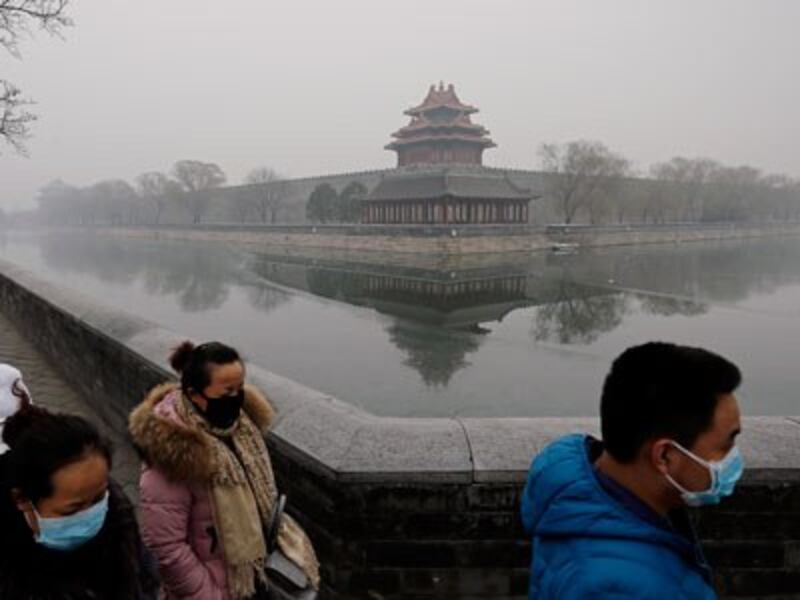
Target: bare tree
x=784 y=201
x=627 y=198
x=270 y=192
x=578 y=172
x=60 y=203
x=793 y=201
x=14 y=117
x=653 y=205
x=115 y=201
x=736 y=193
x=17 y=19
x=243 y=203
x=197 y=180
x=687 y=178
x=159 y=190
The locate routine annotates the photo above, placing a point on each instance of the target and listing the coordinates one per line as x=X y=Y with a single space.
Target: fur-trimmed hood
x=177 y=449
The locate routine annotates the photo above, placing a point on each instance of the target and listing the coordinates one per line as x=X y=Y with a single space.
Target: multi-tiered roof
x=441 y=179
x=440 y=132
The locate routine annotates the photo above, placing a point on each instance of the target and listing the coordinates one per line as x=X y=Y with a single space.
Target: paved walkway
x=49 y=389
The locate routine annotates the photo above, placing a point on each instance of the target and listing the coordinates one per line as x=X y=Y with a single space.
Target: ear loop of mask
x=702 y=462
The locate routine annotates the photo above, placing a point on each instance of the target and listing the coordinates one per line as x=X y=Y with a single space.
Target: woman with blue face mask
x=68 y=531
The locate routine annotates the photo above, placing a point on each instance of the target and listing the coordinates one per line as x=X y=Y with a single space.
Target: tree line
x=581 y=182
x=586 y=182
x=189 y=188
x=325 y=205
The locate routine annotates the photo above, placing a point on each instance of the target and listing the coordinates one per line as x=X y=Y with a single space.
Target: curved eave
x=405 y=143
x=423 y=108
x=465 y=198
x=471 y=129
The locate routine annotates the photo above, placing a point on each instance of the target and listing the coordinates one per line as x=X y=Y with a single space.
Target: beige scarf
x=243 y=495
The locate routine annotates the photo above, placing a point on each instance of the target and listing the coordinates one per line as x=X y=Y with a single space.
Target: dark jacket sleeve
x=149 y=585
x=143 y=583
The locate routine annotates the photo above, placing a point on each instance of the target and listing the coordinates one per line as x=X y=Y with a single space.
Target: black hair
x=193 y=362
x=661 y=389
x=42 y=442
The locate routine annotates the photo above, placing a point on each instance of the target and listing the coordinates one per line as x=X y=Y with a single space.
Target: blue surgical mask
x=724 y=474
x=68 y=533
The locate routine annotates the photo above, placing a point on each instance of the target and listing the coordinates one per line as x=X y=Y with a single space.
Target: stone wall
x=452 y=240
x=292 y=209
x=360 y=238
x=622 y=235
x=422 y=508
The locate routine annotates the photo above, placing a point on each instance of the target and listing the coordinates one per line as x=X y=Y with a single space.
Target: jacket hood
x=182 y=452
x=563 y=498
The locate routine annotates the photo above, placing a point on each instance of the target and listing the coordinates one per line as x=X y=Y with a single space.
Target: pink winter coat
x=177 y=521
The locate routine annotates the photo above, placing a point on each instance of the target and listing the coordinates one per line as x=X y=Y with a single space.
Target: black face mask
x=222 y=412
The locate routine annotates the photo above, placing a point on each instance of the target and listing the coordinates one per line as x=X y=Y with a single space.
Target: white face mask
x=724 y=475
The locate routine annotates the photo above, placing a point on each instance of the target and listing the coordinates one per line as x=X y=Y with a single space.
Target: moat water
x=520 y=336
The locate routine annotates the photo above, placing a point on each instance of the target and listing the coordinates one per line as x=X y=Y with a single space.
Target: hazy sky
x=312 y=87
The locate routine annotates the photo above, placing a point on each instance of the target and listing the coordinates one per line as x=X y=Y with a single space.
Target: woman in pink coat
x=207 y=487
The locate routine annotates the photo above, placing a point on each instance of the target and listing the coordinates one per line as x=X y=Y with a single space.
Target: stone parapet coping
x=343 y=442
x=355 y=230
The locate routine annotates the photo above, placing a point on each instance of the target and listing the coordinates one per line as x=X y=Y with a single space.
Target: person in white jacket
x=13 y=396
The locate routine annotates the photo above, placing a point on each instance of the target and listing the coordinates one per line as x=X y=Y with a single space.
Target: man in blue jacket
x=608 y=519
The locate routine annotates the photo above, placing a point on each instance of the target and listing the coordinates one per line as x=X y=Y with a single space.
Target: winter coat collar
x=182 y=452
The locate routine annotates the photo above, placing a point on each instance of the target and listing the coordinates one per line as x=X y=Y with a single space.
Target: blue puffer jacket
x=586 y=544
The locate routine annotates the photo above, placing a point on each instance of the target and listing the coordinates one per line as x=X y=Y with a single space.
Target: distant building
x=445 y=195
x=440 y=132
x=440 y=178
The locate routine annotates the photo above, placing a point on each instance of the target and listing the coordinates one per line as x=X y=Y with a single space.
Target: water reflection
x=435 y=355
x=198 y=276
x=581 y=313
x=667 y=306
x=436 y=316
x=587 y=290
x=440 y=320
x=724 y=272
x=577 y=317
x=455 y=307
x=455 y=303
x=440 y=317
